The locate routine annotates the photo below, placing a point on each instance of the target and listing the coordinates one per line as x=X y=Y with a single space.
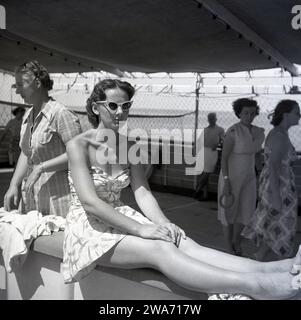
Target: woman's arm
x=277 y=143
x=58 y=163
x=13 y=191
x=21 y=169
x=85 y=190
x=228 y=146
x=149 y=205
x=258 y=161
x=258 y=141
x=144 y=197
x=226 y=152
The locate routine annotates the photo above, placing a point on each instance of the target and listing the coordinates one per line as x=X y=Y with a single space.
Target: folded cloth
x=17 y=231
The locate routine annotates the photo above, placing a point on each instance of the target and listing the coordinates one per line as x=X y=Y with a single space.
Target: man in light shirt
x=213 y=137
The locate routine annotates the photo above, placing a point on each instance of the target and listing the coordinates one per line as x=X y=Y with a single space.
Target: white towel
x=17 y=231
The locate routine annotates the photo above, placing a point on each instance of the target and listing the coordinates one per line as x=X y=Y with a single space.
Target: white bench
x=40 y=278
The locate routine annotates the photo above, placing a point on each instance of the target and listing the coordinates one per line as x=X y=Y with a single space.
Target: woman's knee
x=190 y=247
x=141 y=251
x=161 y=251
x=163 y=246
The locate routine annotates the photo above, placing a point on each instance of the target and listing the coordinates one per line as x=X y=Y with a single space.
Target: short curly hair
x=38 y=70
x=239 y=104
x=98 y=94
x=283 y=106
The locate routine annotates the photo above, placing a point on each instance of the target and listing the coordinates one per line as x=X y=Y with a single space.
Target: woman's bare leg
x=262 y=252
x=134 y=252
x=234 y=263
x=237 y=238
x=228 y=234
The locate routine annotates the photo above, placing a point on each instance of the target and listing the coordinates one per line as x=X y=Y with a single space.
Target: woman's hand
x=175 y=232
x=226 y=200
x=154 y=231
x=12 y=194
x=33 y=177
x=227 y=188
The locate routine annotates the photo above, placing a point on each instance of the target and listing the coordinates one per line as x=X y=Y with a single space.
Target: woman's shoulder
x=257 y=129
x=59 y=108
x=276 y=134
x=56 y=105
x=81 y=140
x=276 y=138
x=231 y=130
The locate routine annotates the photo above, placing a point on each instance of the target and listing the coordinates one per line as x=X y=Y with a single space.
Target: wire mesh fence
x=5 y=113
x=169 y=111
x=175 y=110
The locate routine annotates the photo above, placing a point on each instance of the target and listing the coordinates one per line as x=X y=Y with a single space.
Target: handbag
x=221 y=201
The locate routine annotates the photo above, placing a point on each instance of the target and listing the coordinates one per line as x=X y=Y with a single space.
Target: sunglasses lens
x=126 y=105
x=113 y=106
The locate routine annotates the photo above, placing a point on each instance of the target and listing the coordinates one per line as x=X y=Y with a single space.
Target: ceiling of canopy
x=150 y=35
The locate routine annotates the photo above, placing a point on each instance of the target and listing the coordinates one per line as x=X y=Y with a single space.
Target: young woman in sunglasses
x=100 y=229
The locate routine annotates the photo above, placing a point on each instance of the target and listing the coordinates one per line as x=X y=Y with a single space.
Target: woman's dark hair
x=283 y=106
x=17 y=110
x=38 y=70
x=98 y=94
x=239 y=104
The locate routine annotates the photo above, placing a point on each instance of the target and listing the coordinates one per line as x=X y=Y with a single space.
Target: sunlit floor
x=198 y=219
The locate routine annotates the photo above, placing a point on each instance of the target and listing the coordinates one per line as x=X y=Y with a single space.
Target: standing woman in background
x=274 y=224
x=237 y=181
x=42 y=164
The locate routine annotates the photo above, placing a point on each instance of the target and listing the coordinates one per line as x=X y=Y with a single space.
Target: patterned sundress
x=276 y=229
x=87 y=238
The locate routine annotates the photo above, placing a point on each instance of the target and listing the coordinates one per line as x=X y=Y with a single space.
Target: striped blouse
x=42 y=139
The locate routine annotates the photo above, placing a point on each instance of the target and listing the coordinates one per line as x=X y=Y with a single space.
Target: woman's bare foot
x=291 y=265
x=285 y=265
x=274 y=286
x=296 y=267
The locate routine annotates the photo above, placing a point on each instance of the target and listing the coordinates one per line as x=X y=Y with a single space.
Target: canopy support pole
x=199 y=81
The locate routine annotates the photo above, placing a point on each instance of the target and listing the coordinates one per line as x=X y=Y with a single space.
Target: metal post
x=196 y=119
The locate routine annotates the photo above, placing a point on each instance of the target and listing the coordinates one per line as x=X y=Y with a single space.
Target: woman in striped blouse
x=41 y=172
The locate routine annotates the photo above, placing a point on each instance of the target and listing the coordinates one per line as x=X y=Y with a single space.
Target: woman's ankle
x=250 y=284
